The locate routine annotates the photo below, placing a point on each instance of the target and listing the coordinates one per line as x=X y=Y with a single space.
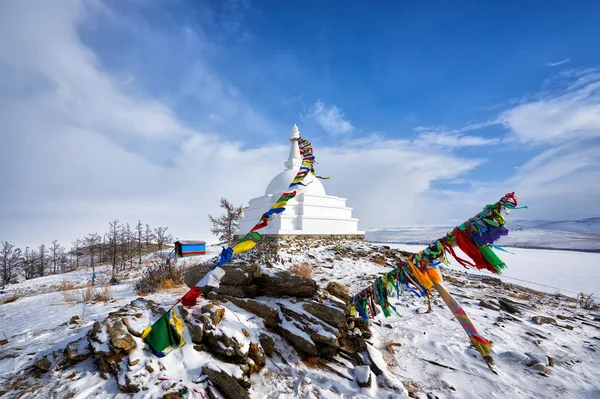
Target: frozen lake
x=545 y=270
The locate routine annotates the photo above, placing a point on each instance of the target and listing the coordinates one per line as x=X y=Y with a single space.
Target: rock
x=323 y=337
x=171 y=395
x=216 y=312
x=331 y=315
x=196 y=332
x=543 y=320
x=217 y=341
x=283 y=282
x=352 y=345
x=107 y=360
x=130 y=329
x=257 y=354
x=248 y=291
x=74 y=320
x=235 y=275
x=508 y=306
x=226 y=384
x=43 y=365
x=268 y=313
x=422 y=310
x=363 y=376
x=299 y=342
x=488 y=305
x=120 y=340
x=78 y=350
x=307 y=322
x=268 y=343
x=562 y=317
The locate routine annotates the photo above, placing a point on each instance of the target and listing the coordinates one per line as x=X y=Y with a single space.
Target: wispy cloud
x=565 y=115
x=330 y=118
x=455 y=140
x=557 y=63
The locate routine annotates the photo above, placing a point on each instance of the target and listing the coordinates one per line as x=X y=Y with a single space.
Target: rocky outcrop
x=268 y=313
x=226 y=384
x=338 y=290
x=248 y=281
x=284 y=283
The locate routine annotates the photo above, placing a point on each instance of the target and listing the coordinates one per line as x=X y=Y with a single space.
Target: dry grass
x=9 y=299
x=89 y=294
x=390 y=346
x=302 y=269
x=380 y=260
x=167 y=284
x=66 y=286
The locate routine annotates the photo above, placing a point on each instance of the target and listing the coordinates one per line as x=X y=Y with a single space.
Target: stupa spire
x=295 y=159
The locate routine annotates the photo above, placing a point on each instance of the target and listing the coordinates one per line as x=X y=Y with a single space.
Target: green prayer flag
x=162 y=334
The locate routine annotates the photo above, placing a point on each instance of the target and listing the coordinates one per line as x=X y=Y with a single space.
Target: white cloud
x=330 y=118
x=560 y=117
x=557 y=63
x=455 y=140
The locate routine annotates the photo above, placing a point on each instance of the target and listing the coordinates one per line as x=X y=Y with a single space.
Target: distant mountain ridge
x=584 y=226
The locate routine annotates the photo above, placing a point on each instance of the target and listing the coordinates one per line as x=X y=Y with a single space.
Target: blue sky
x=421 y=112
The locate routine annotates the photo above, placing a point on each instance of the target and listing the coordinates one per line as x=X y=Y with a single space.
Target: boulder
x=196 y=332
x=120 y=340
x=78 y=350
x=488 y=305
x=226 y=384
x=43 y=365
x=334 y=316
x=284 y=283
x=216 y=312
x=508 y=306
x=543 y=320
x=363 y=376
x=298 y=340
x=338 y=290
x=247 y=291
x=268 y=344
x=268 y=313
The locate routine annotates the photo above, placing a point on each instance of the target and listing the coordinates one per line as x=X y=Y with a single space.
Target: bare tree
x=76 y=248
x=114 y=229
x=130 y=240
x=41 y=260
x=226 y=225
x=56 y=251
x=92 y=242
x=29 y=264
x=162 y=238
x=10 y=259
x=148 y=235
x=140 y=232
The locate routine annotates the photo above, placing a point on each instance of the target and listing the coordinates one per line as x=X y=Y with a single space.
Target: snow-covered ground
x=405 y=346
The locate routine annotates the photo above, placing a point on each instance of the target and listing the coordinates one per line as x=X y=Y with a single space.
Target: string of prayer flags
x=419 y=275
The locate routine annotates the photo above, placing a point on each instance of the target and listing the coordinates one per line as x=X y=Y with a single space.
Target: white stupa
x=311 y=212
